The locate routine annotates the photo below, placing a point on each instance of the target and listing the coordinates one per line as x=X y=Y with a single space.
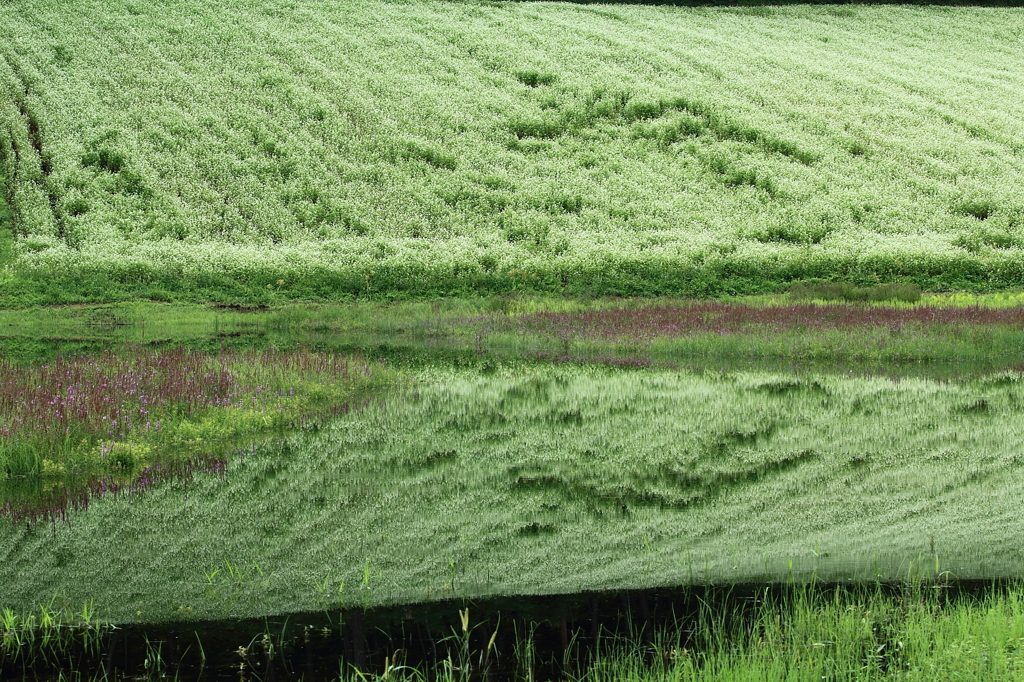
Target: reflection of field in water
x=552 y=479
x=34 y=499
x=123 y=419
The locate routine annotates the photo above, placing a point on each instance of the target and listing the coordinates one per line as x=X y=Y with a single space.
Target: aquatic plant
x=51 y=635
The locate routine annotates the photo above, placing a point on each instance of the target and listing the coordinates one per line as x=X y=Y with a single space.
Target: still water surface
x=533 y=478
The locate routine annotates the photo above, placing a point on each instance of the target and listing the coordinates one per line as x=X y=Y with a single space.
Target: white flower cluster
x=431 y=141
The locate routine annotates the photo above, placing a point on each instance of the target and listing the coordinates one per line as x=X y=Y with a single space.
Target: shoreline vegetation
x=933 y=328
x=917 y=630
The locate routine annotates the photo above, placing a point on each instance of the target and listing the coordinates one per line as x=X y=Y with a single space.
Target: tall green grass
x=842 y=291
x=856 y=634
x=850 y=636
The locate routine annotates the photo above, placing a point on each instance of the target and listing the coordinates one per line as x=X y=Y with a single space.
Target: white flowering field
x=339 y=148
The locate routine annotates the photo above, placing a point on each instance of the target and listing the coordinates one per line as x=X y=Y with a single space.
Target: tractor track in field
x=34 y=133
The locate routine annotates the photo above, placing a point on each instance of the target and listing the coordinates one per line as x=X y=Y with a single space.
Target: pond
x=438 y=467
x=535 y=479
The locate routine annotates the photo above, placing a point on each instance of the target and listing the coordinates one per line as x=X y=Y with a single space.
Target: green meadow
x=296 y=150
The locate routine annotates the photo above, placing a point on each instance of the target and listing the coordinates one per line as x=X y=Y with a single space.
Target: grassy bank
x=539 y=147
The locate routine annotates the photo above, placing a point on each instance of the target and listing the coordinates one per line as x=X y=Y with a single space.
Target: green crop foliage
x=521 y=479
x=306 y=150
